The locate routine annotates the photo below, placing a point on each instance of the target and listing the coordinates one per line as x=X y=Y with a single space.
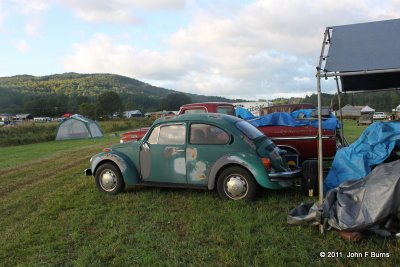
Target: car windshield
x=249 y=130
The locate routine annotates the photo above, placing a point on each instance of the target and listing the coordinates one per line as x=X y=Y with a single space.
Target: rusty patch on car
x=199 y=171
x=191 y=153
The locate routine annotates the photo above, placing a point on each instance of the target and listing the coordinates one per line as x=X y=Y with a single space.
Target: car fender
x=127 y=168
x=248 y=161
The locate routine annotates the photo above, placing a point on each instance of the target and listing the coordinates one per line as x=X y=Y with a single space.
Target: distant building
x=132 y=113
x=5 y=117
x=23 y=117
x=350 y=111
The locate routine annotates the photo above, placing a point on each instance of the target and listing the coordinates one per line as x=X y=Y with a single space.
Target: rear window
x=194 y=111
x=249 y=130
x=226 y=110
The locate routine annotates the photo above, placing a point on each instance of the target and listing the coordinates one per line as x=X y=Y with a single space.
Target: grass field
x=51 y=214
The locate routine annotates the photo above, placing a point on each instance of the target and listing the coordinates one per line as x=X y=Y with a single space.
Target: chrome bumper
x=284 y=176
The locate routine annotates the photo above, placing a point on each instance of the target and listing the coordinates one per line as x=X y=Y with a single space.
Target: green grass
x=32 y=133
x=352 y=131
x=50 y=214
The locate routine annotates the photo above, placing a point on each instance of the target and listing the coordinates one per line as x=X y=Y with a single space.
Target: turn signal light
x=107 y=149
x=266 y=162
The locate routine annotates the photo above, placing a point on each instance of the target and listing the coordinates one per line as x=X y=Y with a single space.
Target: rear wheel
x=309 y=180
x=236 y=183
x=109 y=179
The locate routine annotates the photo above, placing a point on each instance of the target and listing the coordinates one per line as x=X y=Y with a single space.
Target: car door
x=162 y=155
x=207 y=143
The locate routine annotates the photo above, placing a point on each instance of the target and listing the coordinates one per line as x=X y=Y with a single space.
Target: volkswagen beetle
x=205 y=151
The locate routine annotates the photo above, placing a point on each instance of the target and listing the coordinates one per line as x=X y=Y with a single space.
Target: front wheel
x=236 y=183
x=109 y=179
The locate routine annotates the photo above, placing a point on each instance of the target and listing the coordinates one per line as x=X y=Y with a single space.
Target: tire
x=109 y=179
x=236 y=183
x=309 y=180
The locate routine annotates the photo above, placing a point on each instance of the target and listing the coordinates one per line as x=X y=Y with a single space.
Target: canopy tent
x=78 y=127
x=367 y=109
x=365 y=57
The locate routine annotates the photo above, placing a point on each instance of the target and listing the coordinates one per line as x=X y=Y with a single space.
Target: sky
x=260 y=49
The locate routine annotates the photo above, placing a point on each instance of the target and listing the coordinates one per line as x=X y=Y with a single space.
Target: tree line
x=54 y=95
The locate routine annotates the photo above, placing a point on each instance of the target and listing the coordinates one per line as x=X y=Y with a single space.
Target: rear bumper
x=88 y=172
x=285 y=176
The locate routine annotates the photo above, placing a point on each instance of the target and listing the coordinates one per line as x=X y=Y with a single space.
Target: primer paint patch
x=180 y=165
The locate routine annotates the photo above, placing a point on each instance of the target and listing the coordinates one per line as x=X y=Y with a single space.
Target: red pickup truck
x=300 y=143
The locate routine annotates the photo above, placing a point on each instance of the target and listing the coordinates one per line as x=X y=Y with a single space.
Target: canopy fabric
x=367 y=109
x=364 y=47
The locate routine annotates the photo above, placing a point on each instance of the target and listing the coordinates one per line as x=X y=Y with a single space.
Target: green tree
x=88 y=110
x=174 y=101
x=108 y=103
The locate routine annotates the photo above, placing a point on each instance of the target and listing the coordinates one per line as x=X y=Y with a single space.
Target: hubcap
x=236 y=187
x=108 y=180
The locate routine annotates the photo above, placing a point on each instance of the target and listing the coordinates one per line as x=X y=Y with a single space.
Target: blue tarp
x=371 y=148
x=287 y=119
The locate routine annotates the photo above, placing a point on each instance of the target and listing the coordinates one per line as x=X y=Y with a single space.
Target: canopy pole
x=320 y=152
x=340 y=108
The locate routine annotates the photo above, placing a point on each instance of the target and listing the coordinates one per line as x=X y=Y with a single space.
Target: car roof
x=217 y=118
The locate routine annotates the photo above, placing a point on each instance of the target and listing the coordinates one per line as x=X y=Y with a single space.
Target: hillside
x=47 y=95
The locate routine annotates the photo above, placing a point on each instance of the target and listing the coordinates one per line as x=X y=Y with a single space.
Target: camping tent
x=364 y=56
x=78 y=127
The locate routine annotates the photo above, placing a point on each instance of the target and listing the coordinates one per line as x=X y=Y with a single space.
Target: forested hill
x=54 y=94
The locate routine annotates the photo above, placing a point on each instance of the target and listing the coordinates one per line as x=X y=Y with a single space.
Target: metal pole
x=340 y=106
x=320 y=152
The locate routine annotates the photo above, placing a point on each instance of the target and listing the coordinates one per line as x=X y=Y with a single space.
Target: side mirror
x=145 y=146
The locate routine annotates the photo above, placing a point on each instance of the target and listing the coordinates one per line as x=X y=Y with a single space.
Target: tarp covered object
x=287 y=119
x=371 y=148
x=366 y=204
x=78 y=127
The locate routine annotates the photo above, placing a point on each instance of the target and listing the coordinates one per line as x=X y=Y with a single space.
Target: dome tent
x=78 y=127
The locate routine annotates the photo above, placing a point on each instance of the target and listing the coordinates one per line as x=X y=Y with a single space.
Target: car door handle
x=179 y=150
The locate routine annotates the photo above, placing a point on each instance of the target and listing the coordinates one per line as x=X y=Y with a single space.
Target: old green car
x=204 y=151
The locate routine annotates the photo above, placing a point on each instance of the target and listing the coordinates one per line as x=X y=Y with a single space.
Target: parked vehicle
x=379 y=116
x=194 y=108
x=300 y=143
x=198 y=151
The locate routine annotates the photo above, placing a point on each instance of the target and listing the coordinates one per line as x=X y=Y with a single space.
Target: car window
x=249 y=130
x=172 y=134
x=226 y=110
x=195 y=111
x=207 y=134
x=153 y=138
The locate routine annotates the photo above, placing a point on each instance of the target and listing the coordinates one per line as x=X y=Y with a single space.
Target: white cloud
x=21 y=46
x=266 y=49
x=28 y=7
x=121 y=11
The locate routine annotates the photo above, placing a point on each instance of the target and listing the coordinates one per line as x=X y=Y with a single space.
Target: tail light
x=266 y=162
